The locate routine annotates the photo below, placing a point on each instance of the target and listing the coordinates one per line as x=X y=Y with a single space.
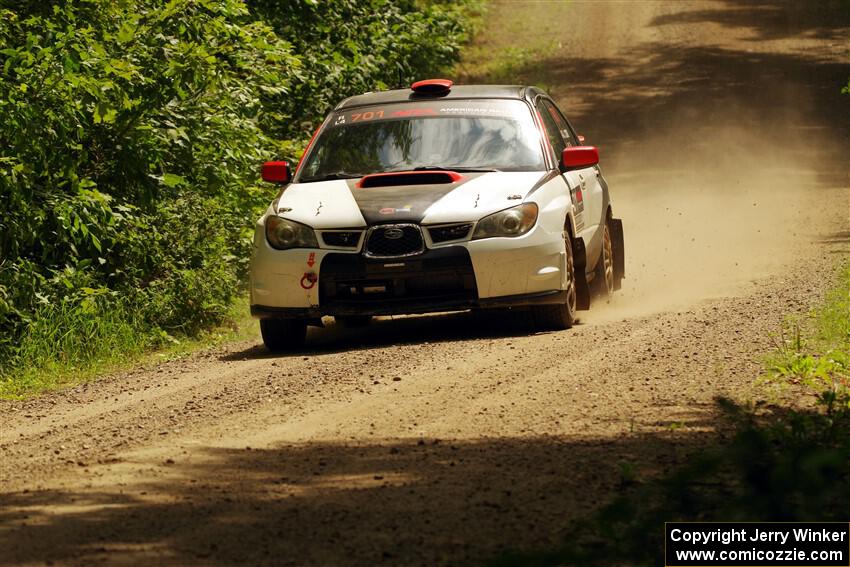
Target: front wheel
x=560 y=316
x=281 y=335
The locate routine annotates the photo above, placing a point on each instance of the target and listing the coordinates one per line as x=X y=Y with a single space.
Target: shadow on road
x=444 y=327
x=396 y=502
x=772 y=19
x=708 y=109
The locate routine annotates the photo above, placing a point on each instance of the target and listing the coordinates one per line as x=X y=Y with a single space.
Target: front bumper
x=355 y=284
x=410 y=307
x=494 y=272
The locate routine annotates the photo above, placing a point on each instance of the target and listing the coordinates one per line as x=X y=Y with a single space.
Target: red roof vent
x=432 y=86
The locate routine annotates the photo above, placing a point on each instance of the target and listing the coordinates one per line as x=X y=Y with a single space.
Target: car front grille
x=394 y=241
x=449 y=232
x=354 y=283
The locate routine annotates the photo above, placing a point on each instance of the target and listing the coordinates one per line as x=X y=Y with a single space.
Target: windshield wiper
x=450 y=168
x=330 y=176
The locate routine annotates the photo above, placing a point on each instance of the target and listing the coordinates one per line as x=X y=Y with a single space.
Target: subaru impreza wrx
x=430 y=199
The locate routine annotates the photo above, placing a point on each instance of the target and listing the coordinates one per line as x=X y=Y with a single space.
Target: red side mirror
x=277 y=172
x=579 y=157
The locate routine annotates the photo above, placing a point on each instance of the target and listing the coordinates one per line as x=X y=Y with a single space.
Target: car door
x=585 y=184
x=595 y=199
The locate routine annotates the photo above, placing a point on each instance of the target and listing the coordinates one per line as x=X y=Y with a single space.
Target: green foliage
x=131 y=135
x=349 y=47
x=128 y=133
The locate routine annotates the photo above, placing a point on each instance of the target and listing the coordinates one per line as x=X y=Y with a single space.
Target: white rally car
x=436 y=198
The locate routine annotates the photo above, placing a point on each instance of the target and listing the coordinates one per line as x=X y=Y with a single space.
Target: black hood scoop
x=403 y=196
x=409 y=178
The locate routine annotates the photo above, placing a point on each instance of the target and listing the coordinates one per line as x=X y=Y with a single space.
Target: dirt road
x=448 y=439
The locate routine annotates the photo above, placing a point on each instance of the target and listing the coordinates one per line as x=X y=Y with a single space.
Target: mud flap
x=618 y=244
x=580 y=263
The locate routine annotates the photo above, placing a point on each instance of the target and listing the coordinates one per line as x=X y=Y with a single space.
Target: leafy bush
x=348 y=47
x=128 y=137
x=131 y=135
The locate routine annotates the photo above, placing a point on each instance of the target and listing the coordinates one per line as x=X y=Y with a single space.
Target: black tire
x=560 y=316
x=353 y=321
x=280 y=335
x=603 y=279
x=616 y=228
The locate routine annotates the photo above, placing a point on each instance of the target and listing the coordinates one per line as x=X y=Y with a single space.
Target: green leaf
x=126 y=33
x=172 y=180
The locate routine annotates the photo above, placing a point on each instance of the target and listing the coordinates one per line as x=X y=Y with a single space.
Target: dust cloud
x=727 y=153
x=709 y=209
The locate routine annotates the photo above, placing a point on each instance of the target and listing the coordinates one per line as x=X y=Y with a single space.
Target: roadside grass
x=69 y=345
x=812 y=357
x=786 y=461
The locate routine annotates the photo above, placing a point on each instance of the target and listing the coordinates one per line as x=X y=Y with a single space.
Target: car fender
x=319 y=205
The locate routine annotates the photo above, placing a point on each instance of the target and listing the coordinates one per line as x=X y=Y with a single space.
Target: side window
x=552 y=130
x=563 y=127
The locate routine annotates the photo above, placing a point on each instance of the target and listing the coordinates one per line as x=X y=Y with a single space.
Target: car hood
x=342 y=204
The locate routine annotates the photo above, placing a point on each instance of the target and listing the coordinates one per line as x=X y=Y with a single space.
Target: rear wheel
x=603 y=280
x=280 y=335
x=559 y=316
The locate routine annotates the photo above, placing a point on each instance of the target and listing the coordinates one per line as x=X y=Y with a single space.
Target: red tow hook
x=308 y=280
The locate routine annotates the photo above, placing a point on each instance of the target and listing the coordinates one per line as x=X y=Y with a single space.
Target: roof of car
x=456 y=92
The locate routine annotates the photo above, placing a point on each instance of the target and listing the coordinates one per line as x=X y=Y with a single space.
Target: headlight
x=515 y=221
x=284 y=233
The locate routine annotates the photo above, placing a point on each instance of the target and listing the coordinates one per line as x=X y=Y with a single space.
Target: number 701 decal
x=370 y=115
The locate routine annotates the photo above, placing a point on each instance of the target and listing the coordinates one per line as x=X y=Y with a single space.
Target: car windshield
x=467 y=135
